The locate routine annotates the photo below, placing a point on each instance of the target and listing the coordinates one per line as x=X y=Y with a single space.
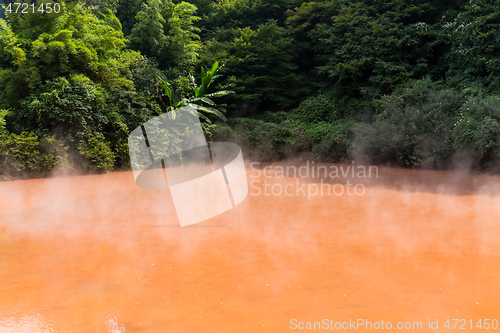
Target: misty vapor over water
x=100 y=251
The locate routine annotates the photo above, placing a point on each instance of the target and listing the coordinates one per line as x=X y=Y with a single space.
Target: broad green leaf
x=160 y=79
x=209 y=110
x=165 y=87
x=189 y=108
x=168 y=92
x=220 y=93
x=203 y=99
x=207 y=80
x=208 y=101
x=201 y=115
x=162 y=82
x=215 y=77
x=214 y=68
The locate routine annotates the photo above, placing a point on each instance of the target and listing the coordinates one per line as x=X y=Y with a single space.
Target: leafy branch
x=201 y=101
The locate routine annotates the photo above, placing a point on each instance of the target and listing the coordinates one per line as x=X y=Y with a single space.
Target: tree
x=71 y=108
x=229 y=14
x=126 y=12
x=70 y=75
x=368 y=48
x=166 y=31
x=40 y=48
x=148 y=36
x=300 y=22
x=183 y=45
x=474 y=57
x=259 y=67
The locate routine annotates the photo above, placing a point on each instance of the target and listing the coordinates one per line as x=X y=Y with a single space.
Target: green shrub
x=26 y=155
x=331 y=141
x=477 y=129
x=98 y=152
x=313 y=110
x=136 y=106
x=220 y=132
x=413 y=126
x=262 y=140
x=3 y=123
x=70 y=107
x=118 y=140
x=275 y=117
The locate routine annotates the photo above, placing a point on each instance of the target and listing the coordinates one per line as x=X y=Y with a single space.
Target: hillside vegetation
x=410 y=83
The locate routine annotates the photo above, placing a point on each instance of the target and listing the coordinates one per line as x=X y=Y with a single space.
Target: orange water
x=98 y=254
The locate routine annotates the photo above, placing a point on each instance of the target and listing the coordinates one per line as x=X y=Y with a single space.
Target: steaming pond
x=96 y=253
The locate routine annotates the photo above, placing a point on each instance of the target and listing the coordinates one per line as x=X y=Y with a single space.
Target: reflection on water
x=114 y=326
x=31 y=322
x=98 y=254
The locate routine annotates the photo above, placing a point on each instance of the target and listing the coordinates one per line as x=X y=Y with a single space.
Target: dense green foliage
x=477 y=130
x=474 y=57
x=72 y=75
x=278 y=135
x=27 y=154
x=414 y=126
x=259 y=67
x=430 y=125
x=403 y=82
x=165 y=31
